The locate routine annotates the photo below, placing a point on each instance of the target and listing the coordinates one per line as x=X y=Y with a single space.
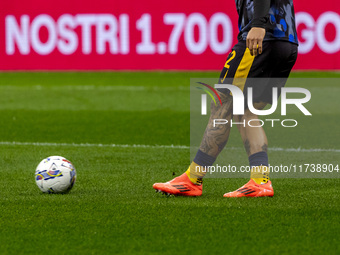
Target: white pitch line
x=303 y=150
x=156 y=146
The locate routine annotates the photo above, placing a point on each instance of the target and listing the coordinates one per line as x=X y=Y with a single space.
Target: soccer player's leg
x=276 y=62
x=254 y=138
x=214 y=139
x=255 y=143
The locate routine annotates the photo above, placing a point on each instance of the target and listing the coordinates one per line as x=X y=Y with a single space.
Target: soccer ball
x=55 y=174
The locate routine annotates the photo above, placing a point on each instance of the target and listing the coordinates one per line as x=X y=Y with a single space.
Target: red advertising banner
x=147 y=35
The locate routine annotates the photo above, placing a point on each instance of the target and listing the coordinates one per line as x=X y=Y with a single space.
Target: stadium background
x=147 y=35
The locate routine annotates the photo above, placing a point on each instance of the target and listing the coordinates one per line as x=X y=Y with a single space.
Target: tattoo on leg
x=215 y=138
x=247 y=146
x=265 y=147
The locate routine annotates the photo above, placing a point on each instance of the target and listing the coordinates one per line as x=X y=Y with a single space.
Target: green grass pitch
x=113 y=208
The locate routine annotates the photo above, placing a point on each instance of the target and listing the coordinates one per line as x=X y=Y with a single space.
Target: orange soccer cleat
x=252 y=189
x=179 y=186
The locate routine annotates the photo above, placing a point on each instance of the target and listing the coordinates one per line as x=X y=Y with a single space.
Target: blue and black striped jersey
x=279 y=21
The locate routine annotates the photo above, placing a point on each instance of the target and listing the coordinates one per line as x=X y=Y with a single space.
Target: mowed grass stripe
x=118 y=127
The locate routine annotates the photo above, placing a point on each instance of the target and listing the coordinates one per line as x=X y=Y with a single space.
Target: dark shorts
x=263 y=72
